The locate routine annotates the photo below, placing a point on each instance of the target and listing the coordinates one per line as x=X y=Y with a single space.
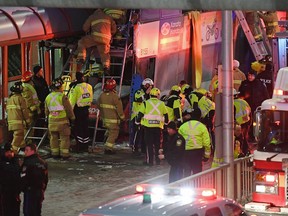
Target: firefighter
x=140 y=96
x=253 y=22
x=111 y=112
x=242 y=116
x=102 y=27
x=59 y=111
x=34 y=180
x=18 y=116
x=238 y=75
x=119 y=16
x=270 y=19
x=153 y=115
x=187 y=107
x=213 y=87
x=30 y=95
x=173 y=105
x=173 y=150
x=197 y=143
x=81 y=97
x=9 y=182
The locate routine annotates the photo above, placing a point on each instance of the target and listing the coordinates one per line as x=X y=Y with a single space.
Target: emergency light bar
x=205 y=193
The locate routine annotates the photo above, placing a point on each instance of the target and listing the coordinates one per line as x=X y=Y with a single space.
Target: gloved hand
x=204 y=159
x=161 y=157
x=160 y=151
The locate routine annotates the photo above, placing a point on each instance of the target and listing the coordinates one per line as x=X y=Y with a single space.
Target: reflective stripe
x=151 y=116
x=108 y=106
x=192 y=137
x=109 y=145
x=86 y=97
x=272 y=24
x=95 y=22
x=56 y=106
x=13 y=107
x=15 y=121
x=115 y=121
x=102 y=35
x=237 y=81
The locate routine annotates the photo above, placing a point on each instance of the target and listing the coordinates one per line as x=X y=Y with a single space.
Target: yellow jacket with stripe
x=58 y=109
x=153 y=113
x=81 y=94
x=242 y=111
x=196 y=136
x=102 y=26
x=30 y=95
x=17 y=112
x=111 y=108
x=173 y=105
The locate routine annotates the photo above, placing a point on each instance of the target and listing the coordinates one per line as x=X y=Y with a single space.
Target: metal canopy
x=156 y=4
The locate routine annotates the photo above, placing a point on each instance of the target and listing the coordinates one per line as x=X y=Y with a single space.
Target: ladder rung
x=35 y=138
x=114 y=77
x=40 y=128
x=116 y=64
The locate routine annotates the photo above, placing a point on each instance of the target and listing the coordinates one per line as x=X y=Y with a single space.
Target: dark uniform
x=34 y=180
x=174 y=149
x=9 y=183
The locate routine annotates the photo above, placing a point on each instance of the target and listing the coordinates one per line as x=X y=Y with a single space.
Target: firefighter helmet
x=147 y=81
x=110 y=84
x=176 y=88
x=26 y=77
x=17 y=87
x=155 y=92
x=57 y=83
x=236 y=64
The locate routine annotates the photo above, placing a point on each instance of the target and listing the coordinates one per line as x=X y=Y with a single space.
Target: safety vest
x=55 y=105
x=31 y=98
x=114 y=13
x=242 y=111
x=173 y=103
x=81 y=94
x=135 y=109
x=196 y=136
x=154 y=111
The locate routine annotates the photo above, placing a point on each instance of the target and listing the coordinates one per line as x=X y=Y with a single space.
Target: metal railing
x=217 y=178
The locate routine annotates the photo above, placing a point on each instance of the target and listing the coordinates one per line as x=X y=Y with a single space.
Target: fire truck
x=271 y=157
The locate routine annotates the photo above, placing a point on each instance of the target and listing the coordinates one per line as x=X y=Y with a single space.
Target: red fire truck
x=271 y=157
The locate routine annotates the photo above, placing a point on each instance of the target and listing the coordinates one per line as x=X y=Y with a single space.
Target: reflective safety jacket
x=238 y=77
x=196 y=136
x=81 y=94
x=202 y=102
x=111 y=108
x=102 y=26
x=58 y=109
x=30 y=95
x=153 y=113
x=114 y=13
x=242 y=111
x=173 y=105
x=17 y=112
x=139 y=97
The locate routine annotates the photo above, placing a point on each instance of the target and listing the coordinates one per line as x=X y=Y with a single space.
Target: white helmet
x=235 y=92
x=147 y=81
x=236 y=64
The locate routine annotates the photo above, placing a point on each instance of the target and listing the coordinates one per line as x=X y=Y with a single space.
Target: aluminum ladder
x=259 y=48
x=34 y=128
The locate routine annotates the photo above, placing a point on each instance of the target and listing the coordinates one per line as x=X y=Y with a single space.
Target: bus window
x=14 y=61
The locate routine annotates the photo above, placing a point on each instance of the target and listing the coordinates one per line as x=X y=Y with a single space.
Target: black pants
x=137 y=138
x=153 y=141
x=81 y=124
x=9 y=204
x=175 y=173
x=192 y=161
x=33 y=202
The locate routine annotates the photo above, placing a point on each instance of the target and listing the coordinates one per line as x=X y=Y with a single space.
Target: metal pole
x=227 y=58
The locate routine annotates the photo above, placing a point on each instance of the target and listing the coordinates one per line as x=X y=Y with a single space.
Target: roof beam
x=156 y=4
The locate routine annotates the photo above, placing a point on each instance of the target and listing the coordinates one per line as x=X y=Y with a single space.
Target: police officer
x=81 y=97
x=197 y=139
x=111 y=112
x=153 y=115
x=265 y=74
x=40 y=85
x=270 y=19
x=18 y=116
x=102 y=28
x=140 y=96
x=242 y=116
x=173 y=151
x=173 y=105
x=34 y=180
x=59 y=111
x=9 y=182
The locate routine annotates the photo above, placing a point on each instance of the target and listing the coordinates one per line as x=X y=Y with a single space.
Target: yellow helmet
x=155 y=92
x=176 y=88
x=257 y=66
x=201 y=91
